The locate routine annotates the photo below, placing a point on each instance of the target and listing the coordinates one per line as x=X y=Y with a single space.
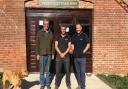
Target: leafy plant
x=0 y=80
x=116 y=80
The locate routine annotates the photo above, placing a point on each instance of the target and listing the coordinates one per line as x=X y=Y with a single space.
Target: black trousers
x=62 y=63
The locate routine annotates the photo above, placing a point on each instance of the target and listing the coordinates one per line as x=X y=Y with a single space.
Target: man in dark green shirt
x=44 y=53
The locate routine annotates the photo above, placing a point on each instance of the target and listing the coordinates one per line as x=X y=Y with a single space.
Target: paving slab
x=92 y=82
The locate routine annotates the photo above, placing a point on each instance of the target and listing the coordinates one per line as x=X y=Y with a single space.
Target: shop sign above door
x=59 y=3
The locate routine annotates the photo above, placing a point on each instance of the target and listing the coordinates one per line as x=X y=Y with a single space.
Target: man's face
x=63 y=30
x=78 y=28
x=46 y=25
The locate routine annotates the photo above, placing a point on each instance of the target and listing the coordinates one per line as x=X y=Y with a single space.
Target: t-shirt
x=63 y=42
x=80 y=40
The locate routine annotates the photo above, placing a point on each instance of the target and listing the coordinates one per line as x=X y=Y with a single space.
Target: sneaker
x=78 y=87
x=69 y=87
x=48 y=87
x=42 y=87
x=56 y=87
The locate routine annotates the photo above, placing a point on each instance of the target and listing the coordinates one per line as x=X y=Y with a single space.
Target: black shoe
x=48 y=87
x=69 y=87
x=42 y=87
x=56 y=87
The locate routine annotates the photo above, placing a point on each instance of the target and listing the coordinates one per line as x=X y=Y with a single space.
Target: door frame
x=36 y=12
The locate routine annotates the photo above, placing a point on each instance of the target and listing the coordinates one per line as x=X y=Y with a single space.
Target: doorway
x=68 y=17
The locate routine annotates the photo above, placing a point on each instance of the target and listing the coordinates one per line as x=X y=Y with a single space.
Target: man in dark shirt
x=62 y=46
x=80 y=45
x=44 y=52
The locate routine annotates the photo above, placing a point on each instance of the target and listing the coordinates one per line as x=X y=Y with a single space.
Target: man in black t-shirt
x=80 y=45
x=62 y=46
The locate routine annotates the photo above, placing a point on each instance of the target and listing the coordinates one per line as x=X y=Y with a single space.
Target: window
x=66 y=20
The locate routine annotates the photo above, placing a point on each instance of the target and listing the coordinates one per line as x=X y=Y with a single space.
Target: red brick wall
x=12 y=35
x=110 y=38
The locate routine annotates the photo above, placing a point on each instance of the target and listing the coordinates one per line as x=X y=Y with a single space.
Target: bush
x=0 y=83
x=116 y=80
x=0 y=80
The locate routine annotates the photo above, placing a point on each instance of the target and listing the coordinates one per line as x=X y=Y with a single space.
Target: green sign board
x=59 y=3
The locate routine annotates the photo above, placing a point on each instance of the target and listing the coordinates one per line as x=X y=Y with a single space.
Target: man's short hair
x=46 y=19
x=78 y=23
x=62 y=25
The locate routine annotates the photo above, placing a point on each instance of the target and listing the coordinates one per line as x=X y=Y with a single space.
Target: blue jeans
x=80 y=64
x=44 y=70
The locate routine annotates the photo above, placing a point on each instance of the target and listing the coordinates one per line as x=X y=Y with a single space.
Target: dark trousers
x=80 y=64
x=59 y=64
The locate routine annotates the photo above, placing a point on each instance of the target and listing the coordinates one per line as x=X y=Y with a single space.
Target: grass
x=0 y=80
x=0 y=83
x=115 y=80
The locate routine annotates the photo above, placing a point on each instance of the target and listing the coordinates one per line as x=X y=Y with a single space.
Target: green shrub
x=0 y=83
x=116 y=80
x=0 y=80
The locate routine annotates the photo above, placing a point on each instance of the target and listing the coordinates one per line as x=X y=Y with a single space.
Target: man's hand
x=53 y=56
x=62 y=55
x=84 y=51
x=86 y=48
x=71 y=51
x=38 y=57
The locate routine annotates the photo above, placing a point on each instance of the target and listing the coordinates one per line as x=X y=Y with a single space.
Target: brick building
x=106 y=22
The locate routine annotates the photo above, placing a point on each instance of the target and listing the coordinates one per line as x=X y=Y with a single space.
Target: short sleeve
x=69 y=39
x=86 y=38
x=73 y=39
x=57 y=38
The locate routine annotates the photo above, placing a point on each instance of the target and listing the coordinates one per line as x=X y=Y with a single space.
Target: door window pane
x=66 y=20
x=83 y=21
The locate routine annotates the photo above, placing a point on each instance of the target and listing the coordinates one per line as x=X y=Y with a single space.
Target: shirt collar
x=78 y=34
x=45 y=31
x=63 y=35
